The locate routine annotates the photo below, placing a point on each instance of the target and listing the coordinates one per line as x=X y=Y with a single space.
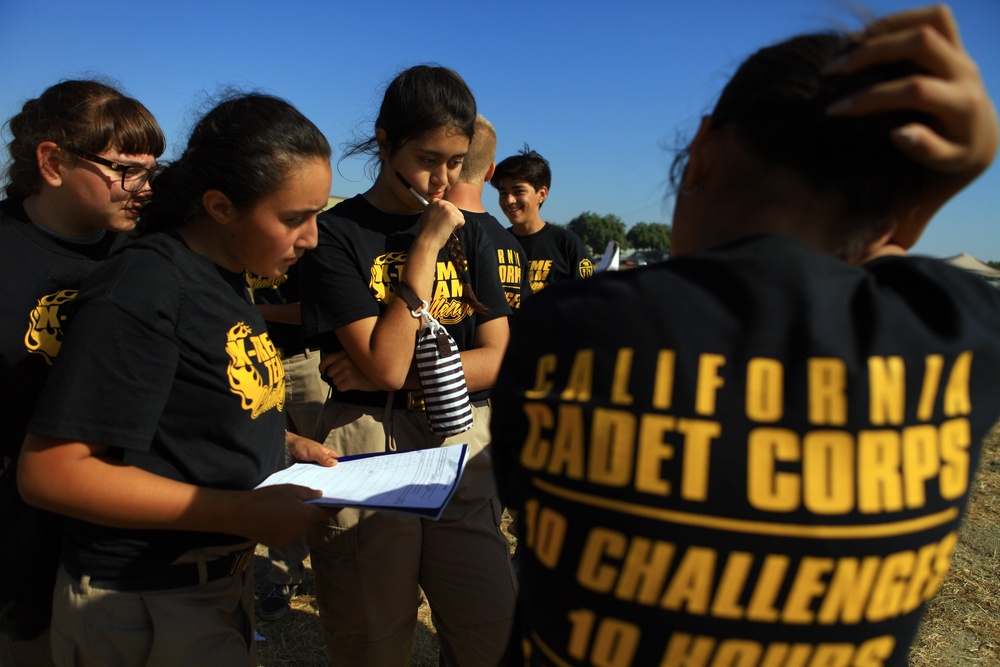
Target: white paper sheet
x=419 y=482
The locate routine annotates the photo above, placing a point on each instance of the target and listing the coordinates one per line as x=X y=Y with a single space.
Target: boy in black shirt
x=554 y=253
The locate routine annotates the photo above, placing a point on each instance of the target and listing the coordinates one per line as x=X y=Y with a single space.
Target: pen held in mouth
x=416 y=194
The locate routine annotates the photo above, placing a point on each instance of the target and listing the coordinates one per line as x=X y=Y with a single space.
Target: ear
x=489 y=172
x=543 y=193
x=50 y=160
x=382 y=139
x=883 y=245
x=219 y=207
x=699 y=162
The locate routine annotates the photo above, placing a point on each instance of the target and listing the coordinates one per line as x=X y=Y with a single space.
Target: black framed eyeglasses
x=134 y=177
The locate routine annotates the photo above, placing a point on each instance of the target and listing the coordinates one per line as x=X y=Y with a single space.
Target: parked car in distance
x=644 y=257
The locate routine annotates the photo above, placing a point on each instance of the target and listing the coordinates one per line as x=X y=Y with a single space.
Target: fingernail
x=904 y=136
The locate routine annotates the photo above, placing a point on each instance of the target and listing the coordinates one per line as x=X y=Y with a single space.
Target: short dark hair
x=776 y=104
x=527 y=166
x=82 y=113
x=418 y=100
x=243 y=148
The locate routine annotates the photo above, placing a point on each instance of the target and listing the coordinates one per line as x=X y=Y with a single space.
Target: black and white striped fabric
x=442 y=380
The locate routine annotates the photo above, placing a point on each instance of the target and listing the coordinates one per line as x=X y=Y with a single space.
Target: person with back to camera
x=758 y=452
x=467 y=195
x=554 y=253
x=165 y=409
x=369 y=566
x=81 y=156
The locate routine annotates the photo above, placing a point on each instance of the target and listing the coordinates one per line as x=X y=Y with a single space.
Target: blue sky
x=599 y=88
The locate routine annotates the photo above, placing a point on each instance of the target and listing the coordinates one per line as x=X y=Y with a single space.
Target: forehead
x=440 y=141
x=510 y=183
x=137 y=159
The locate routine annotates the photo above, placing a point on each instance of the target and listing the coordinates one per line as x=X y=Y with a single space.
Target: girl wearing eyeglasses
x=153 y=453
x=62 y=215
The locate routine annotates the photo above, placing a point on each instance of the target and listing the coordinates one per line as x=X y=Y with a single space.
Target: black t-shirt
x=511 y=258
x=280 y=291
x=353 y=272
x=756 y=455
x=169 y=364
x=43 y=274
x=554 y=254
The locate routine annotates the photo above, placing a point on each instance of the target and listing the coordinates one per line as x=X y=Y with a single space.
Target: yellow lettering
x=726 y=603
x=887 y=390
x=644 y=571
x=848 y=590
x=765 y=390
x=567 y=444
x=933 y=367
x=580 y=384
x=956 y=391
x=663 y=385
x=684 y=650
x=806 y=587
x=767 y=489
x=691 y=585
x=827 y=392
x=920 y=462
x=619 y=384
x=543 y=383
x=698 y=436
x=828 y=472
x=761 y=608
x=653 y=451
x=890 y=586
x=535 y=451
x=880 y=487
x=955 y=441
x=612 y=447
x=592 y=573
x=709 y=383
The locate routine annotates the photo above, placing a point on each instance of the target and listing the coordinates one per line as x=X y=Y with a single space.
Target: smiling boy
x=554 y=253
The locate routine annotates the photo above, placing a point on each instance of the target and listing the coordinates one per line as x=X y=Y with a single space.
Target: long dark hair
x=82 y=113
x=243 y=148
x=776 y=104
x=418 y=100
x=421 y=99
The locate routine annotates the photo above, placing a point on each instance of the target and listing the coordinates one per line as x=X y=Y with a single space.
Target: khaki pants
x=369 y=566
x=208 y=625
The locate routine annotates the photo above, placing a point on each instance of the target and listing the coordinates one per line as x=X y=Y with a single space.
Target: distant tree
x=994 y=264
x=597 y=230
x=651 y=235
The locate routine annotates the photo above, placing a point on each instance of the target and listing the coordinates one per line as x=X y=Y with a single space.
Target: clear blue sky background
x=599 y=88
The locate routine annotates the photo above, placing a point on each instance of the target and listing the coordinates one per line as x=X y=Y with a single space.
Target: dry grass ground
x=962 y=623
x=961 y=626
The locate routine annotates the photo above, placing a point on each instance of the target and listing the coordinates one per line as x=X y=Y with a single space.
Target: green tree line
x=598 y=230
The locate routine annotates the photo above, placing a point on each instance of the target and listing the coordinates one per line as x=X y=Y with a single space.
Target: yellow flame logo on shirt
x=247 y=353
x=384 y=270
x=45 y=330
x=446 y=303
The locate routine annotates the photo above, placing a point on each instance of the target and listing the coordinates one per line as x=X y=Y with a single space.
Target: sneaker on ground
x=276 y=603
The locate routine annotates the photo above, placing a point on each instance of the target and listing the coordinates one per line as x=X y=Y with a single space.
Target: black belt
x=178 y=575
